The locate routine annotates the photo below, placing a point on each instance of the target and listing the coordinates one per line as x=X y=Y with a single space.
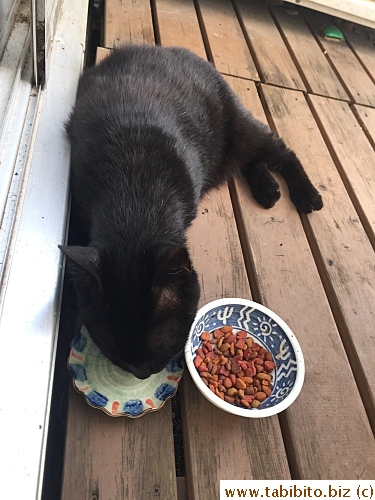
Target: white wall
x=358 y=11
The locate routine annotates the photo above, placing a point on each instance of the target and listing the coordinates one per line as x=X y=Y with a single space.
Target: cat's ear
x=86 y=258
x=180 y=259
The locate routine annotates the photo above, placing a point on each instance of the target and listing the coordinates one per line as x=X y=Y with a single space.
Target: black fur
x=152 y=131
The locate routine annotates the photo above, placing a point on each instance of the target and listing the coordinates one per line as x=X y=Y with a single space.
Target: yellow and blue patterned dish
x=116 y=392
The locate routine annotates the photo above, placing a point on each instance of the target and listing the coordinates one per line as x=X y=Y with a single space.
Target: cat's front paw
x=307 y=199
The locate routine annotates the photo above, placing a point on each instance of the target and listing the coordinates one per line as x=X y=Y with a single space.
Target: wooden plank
x=319 y=76
x=228 y=47
x=359 y=39
x=275 y=64
x=111 y=458
x=178 y=25
x=216 y=251
x=358 y=84
x=219 y=445
x=324 y=418
x=367 y=119
x=127 y=22
x=101 y=53
x=355 y=155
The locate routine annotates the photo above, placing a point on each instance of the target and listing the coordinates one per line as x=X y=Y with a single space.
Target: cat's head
x=138 y=311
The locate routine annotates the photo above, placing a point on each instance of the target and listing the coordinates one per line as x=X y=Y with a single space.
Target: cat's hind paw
x=268 y=196
x=264 y=186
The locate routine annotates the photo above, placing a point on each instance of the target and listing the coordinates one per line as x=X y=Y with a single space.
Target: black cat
x=153 y=129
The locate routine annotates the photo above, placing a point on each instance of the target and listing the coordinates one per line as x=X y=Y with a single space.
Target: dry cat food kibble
x=234 y=367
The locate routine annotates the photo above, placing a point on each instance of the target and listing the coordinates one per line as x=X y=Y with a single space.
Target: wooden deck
x=317 y=271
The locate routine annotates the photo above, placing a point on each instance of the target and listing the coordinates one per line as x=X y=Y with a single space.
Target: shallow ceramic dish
x=116 y=392
x=268 y=330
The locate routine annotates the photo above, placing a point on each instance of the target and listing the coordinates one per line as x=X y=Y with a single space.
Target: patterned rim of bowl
x=114 y=391
x=218 y=313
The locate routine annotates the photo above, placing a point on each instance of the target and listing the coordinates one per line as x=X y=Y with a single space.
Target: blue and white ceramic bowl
x=268 y=330
x=116 y=392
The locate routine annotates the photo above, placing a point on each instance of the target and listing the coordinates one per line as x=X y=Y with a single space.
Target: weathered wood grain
x=109 y=458
x=178 y=25
x=367 y=119
x=127 y=21
x=228 y=47
x=360 y=41
x=275 y=64
x=101 y=53
x=318 y=74
x=219 y=445
x=322 y=422
x=355 y=155
x=358 y=84
x=216 y=250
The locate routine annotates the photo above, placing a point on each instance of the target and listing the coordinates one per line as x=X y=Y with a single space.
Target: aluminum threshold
x=33 y=223
x=358 y=11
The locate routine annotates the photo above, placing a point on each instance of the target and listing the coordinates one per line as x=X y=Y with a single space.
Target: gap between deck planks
x=366 y=117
